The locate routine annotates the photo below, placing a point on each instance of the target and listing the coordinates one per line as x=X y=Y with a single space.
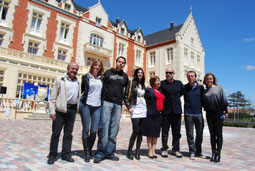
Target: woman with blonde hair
x=215 y=104
x=90 y=106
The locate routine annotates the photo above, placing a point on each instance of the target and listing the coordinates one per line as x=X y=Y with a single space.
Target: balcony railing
x=98 y=50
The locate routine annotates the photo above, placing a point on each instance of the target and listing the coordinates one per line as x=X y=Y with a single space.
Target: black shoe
x=213 y=157
x=137 y=155
x=67 y=158
x=51 y=160
x=130 y=155
x=217 y=158
x=155 y=157
x=97 y=160
x=112 y=157
x=151 y=157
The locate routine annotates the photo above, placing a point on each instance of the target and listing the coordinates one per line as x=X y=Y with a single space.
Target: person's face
x=209 y=80
x=170 y=74
x=72 y=70
x=96 y=68
x=156 y=84
x=191 y=77
x=120 y=64
x=140 y=74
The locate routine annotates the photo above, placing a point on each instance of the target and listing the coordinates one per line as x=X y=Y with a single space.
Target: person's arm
x=126 y=93
x=53 y=99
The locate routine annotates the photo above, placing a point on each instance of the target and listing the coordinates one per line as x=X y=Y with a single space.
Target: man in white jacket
x=63 y=106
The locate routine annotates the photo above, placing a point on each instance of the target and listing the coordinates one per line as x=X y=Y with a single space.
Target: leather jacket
x=133 y=96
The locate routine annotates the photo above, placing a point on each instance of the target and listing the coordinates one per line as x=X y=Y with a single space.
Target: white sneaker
x=164 y=153
x=178 y=154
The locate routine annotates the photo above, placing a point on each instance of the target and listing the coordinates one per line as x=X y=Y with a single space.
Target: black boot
x=213 y=155
x=130 y=155
x=217 y=157
x=91 y=141
x=85 y=148
x=130 y=146
x=138 y=146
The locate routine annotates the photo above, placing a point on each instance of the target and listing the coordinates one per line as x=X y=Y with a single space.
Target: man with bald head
x=63 y=105
x=173 y=90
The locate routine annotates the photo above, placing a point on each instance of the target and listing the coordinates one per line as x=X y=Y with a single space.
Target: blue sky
x=226 y=29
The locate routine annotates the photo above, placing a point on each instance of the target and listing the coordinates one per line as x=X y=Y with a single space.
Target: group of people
x=152 y=110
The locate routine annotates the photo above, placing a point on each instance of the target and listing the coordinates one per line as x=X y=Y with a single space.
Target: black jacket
x=133 y=95
x=85 y=88
x=172 y=92
x=151 y=102
x=114 y=84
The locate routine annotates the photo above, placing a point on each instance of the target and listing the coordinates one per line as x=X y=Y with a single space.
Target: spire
x=190 y=9
x=99 y=1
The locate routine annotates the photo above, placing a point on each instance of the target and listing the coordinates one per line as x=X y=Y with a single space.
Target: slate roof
x=76 y=6
x=162 y=36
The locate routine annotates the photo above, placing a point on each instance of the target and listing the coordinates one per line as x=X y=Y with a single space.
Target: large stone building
x=39 y=37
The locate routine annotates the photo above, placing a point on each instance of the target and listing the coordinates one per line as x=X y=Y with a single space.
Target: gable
x=97 y=11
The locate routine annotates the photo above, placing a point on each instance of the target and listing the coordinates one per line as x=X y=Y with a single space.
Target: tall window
x=1 y=76
x=62 y=54
x=186 y=55
x=152 y=59
x=122 y=31
x=33 y=47
x=64 y=31
x=1 y=38
x=138 y=57
x=98 y=21
x=96 y=40
x=67 y=7
x=170 y=55
x=4 y=5
x=121 y=49
x=139 y=38
x=36 y=22
x=90 y=60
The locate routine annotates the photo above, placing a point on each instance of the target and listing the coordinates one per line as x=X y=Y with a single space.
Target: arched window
x=96 y=40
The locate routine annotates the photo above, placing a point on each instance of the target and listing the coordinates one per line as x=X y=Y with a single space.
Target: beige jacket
x=58 y=99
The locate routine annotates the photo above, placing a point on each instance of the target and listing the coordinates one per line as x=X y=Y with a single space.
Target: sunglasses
x=169 y=72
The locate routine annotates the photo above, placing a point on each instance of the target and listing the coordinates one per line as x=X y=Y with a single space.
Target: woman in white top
x=134 y=100
x=90 y=106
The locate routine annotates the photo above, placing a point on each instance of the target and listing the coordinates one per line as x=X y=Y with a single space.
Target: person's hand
x=53 y=116
x=131 y=110
x=226 y=115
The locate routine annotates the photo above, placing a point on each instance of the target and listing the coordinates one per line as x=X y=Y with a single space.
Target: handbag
x=129 y=92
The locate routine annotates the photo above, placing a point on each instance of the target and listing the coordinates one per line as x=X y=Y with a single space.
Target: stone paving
x=24 y=145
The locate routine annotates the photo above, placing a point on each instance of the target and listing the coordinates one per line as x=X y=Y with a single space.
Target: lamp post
x=36 y=87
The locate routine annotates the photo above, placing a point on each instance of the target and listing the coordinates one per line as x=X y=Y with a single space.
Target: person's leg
x=219 y=136
x=113 y=131
x=210 y=122
x=176 y=133
x=165 y=132
x=135 y=126
x=139 y=138
x=68 y=130
x=85 y=119
x=95 y=116
x=154 y=142
x=199 y=126
x=189 y=125
x=57 y=126
x=149 y=144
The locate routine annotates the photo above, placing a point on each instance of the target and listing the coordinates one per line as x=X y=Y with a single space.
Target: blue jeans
x=90 y=117
x=111 y=119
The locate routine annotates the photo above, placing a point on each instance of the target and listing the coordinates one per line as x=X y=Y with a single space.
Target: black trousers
x=198 y=122
x=215 y=124
x=173 y=120
x=137 y=134
x=65 y=120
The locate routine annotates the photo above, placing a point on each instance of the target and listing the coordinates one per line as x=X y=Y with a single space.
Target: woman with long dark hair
x=90 y=106
x=215 y=104
x=134 y=99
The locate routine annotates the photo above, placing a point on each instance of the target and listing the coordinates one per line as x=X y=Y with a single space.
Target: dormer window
x=122 y=31
x=98 y=21
x=67 y=7
x=139 y=38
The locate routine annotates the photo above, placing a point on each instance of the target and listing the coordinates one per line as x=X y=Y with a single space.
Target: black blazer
x=172 y=93
x=151 y=103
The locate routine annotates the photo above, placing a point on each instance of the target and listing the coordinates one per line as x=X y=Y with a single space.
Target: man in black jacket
x=173 y=90
x=114 y=80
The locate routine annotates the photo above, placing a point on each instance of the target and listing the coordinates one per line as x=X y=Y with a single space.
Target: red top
x=159 y=100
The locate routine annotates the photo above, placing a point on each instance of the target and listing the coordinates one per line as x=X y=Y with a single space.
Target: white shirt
x=94 y=92
x=140 y=109
x=72 y=90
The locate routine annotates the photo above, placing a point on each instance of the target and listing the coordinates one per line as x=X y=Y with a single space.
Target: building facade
x=38 y=38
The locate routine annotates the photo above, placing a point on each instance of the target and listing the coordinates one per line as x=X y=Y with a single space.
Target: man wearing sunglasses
x=173 y=90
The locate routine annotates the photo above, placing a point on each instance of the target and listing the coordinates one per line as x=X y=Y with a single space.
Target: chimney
x=171 y=25
x=117 y=21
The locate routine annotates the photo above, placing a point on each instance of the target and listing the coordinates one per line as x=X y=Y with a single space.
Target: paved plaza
x=24 y=145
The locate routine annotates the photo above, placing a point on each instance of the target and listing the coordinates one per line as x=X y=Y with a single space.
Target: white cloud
x=252 y=39
x=249 y=67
